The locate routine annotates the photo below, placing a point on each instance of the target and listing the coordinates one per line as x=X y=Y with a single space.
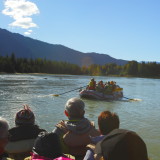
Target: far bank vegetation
x=11 y=64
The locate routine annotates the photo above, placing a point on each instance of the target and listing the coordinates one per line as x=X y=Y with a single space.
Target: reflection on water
x=36 y=90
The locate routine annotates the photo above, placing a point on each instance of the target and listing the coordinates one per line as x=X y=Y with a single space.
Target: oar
x=131 y=99
x=56 y=95
x=128 y=98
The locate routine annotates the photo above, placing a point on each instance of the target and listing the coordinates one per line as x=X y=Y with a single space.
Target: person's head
x=25 y=116
x=74 y=108
x=122 y=144
x=47 y=145
x=92 y=79
x=112 y=82
x=107 y=121
x=3 y=132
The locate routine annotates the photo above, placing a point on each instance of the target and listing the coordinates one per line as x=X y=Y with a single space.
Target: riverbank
x=12 y=64
x=126 y=76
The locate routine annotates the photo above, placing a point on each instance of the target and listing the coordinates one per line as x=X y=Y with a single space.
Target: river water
x=141 y=116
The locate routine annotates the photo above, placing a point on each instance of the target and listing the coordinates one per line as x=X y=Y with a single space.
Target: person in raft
x=100 y=86
x=107 y=121
x=47 y=146
x=92 y=84
x=22 y=136
x=76 y=131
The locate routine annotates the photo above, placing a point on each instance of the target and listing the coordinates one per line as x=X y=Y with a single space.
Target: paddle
x=131 y=99
x=56 y=95
x=128 y=98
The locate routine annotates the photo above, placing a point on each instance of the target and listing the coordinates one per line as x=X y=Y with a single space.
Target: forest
x=11 y=64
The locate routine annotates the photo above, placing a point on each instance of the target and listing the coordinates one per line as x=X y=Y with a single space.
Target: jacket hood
x=78 y=126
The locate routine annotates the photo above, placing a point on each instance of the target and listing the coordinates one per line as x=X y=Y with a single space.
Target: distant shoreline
x=127 y=76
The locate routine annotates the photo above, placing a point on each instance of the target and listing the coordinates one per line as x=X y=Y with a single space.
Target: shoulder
x=60 y=128
x=96 y=139
x=14 y=129
x=93 y=131
x=61 y=125
x=36 y=127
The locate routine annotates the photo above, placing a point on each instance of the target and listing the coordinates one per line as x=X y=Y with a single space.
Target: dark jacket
x=21 y=141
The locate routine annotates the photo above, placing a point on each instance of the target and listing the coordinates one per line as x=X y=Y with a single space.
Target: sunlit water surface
x=142 y=116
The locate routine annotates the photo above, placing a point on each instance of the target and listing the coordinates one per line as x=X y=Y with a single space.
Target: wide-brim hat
x=122 y=145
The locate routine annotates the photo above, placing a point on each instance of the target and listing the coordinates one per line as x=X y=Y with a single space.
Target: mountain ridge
x=26 y=47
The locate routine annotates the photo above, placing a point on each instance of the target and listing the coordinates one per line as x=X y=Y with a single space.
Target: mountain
x=25 y=47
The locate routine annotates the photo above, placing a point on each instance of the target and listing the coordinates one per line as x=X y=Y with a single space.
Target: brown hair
x=107 y=121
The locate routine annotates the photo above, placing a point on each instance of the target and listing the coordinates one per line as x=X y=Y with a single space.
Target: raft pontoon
x=92 y=94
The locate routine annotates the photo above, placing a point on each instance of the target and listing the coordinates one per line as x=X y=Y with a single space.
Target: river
x=141 y=116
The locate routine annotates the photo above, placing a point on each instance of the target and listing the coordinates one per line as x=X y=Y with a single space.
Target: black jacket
x=24 y=132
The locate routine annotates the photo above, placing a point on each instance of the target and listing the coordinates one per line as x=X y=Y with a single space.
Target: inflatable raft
x=92 y=94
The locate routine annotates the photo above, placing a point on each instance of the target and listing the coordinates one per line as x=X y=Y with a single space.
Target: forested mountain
x=25 y=47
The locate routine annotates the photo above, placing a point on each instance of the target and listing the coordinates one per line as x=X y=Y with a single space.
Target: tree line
x=132 y=68
x=11 y=64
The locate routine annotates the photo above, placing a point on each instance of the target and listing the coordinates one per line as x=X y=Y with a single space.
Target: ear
x=66 y=113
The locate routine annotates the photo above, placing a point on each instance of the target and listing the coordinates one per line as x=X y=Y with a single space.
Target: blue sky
x=123 y=29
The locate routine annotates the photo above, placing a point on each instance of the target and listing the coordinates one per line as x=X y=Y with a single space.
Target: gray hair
x=75 y=107
x=3 y=128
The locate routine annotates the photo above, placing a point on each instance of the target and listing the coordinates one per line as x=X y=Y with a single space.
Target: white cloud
x=21 y=11
x=28 y=32
x=24 y=22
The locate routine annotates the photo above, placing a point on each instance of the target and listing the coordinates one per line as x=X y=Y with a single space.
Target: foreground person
x=76 y=131
x=22 y=136
x=121 y=145
x=47 y=146
x=3 y=137
x=107 y=122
